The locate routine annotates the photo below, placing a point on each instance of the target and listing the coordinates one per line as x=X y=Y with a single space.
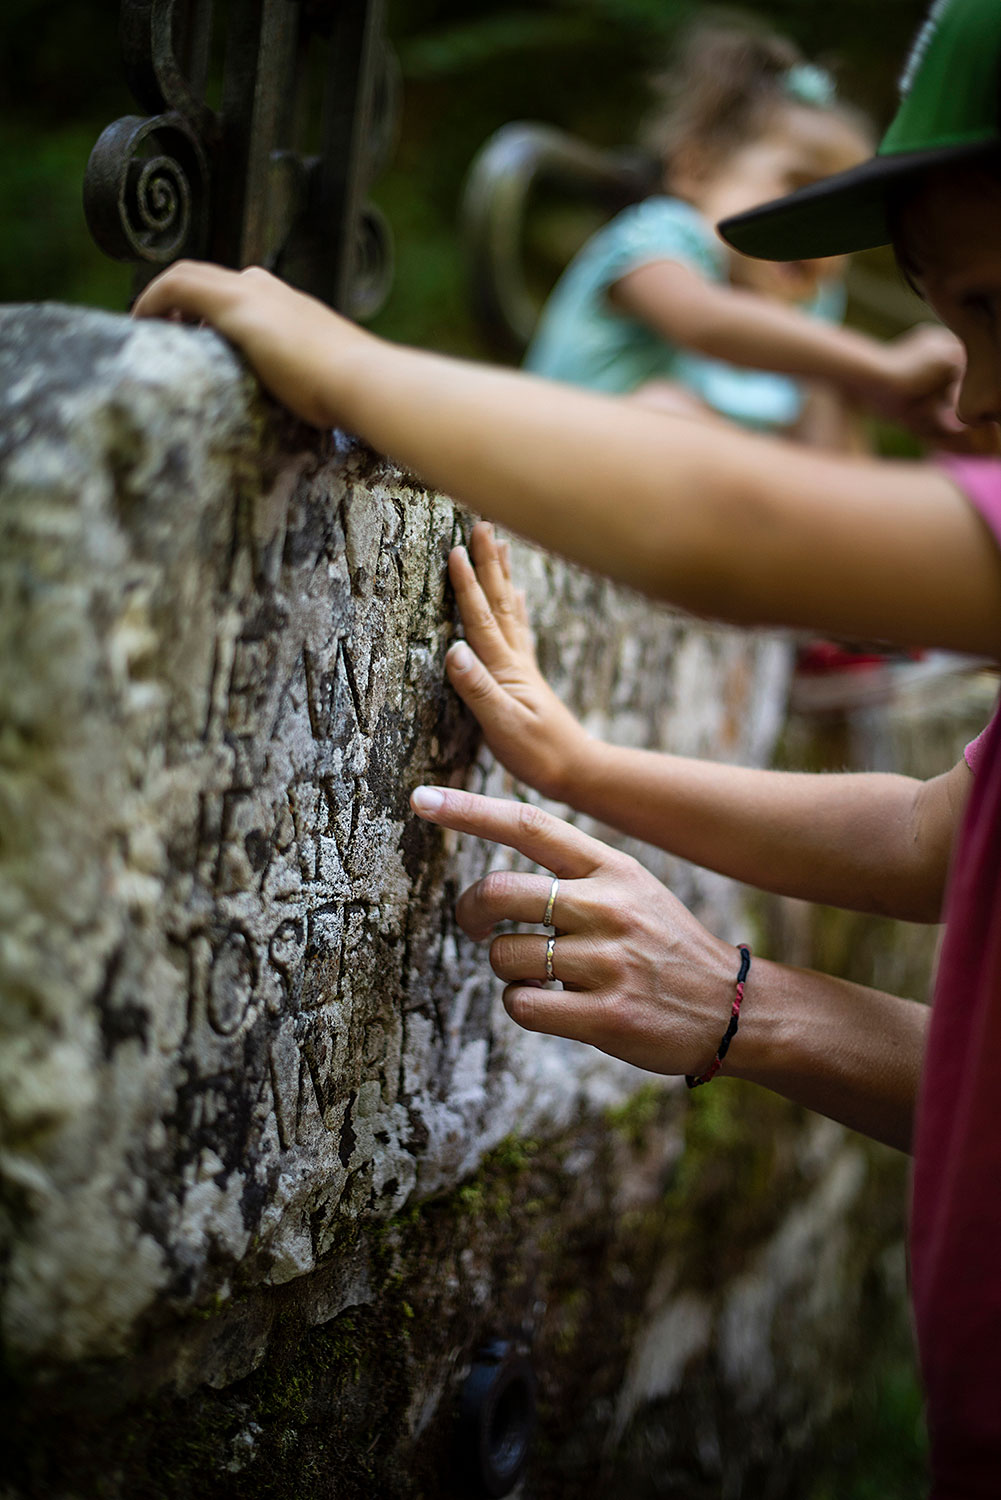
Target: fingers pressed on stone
x=471 y=680
x=546 y=840
x=495 y=583
x=478 y=620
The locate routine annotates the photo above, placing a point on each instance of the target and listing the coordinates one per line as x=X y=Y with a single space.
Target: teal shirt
x=582 y=340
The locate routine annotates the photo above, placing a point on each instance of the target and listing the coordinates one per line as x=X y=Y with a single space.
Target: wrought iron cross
x=234 y=185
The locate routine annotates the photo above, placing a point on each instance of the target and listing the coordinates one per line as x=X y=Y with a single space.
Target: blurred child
x=751 y=529
x=657 y=306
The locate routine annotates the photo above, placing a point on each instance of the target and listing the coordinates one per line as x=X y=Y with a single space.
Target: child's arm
x=906 y=379
x=719 y=521
x=876 y=843
x=866 y=842
x=646 y=982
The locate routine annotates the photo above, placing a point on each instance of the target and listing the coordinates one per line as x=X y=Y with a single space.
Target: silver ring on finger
x=554 y=890
x=550 y=952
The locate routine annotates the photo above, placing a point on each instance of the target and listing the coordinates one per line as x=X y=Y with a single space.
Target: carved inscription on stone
x=239 y=1010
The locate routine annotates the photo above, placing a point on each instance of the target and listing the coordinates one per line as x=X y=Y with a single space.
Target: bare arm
x=720 y=522
x=848 y=1052
x=867 y=842
x=745 y=328
x=736 y=526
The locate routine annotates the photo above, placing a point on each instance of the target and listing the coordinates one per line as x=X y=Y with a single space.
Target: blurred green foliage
x=469 y=66
x=879 y=1450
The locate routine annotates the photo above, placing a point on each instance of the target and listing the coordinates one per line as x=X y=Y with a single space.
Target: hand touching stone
x=643 y=980
x=495 y=673
x=301 y=350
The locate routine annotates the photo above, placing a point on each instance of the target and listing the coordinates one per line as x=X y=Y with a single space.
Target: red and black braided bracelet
x=731 y=1030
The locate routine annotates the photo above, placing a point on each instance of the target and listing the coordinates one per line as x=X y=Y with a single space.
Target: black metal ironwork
x=516 y=163
x=235 y=185
x=496 y=1419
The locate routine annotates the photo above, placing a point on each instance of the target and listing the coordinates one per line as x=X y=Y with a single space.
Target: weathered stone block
x=244 y=1040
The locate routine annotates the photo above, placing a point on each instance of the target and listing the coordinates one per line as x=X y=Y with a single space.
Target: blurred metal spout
x=517 y=162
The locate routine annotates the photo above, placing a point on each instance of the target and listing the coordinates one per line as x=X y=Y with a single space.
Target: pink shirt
x=956 y=1208
x=975 y=749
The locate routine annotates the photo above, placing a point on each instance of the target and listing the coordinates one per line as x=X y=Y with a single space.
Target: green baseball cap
x=950 y=111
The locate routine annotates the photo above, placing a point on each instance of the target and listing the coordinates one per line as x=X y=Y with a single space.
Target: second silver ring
x=554 y=889
x=550 y=951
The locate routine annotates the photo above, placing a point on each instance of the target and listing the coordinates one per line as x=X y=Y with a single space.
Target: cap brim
x=840 y=214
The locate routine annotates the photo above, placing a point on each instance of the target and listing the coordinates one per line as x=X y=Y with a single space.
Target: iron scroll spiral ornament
x=237 y=185
x=146 y=188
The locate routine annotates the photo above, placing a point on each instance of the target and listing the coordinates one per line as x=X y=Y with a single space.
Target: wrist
x=354 y=361
x=586 y=772
x=767 y=1045
x=573 y=769
x=707 y=1074
x=874 y=373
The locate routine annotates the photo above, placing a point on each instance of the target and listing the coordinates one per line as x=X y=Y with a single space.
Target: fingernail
x=427 y=799
x=461 y=656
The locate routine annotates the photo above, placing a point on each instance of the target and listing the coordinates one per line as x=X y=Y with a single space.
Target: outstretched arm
x=863 y=841
x=644 y=981
x=721 y=522
x=867 y=842
x=910 y=379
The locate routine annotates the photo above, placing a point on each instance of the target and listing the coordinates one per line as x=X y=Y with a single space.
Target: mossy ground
x=532 y=1249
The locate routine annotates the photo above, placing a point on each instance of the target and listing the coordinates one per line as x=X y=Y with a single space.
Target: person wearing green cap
x=752 y=530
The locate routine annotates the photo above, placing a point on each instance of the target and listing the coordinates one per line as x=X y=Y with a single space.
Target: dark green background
x=468 y=68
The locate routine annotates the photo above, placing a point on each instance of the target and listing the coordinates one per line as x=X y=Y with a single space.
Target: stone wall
x=276 y=1164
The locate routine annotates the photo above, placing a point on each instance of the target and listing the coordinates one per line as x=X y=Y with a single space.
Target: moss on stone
x=634 y=1116
x=529 y=1249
